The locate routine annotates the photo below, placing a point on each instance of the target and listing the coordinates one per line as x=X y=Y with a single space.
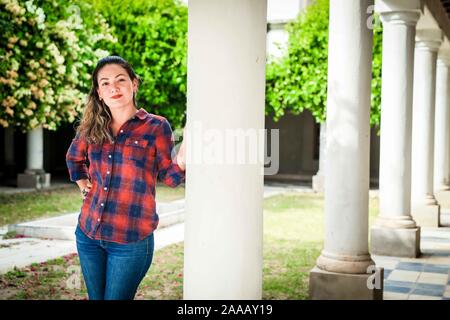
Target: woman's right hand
x=85 y=186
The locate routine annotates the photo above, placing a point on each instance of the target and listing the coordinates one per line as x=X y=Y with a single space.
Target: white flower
x=40 y=18
x=22 y=92
x=30 y=7
x=34 y=123
x=99 y=53
x=61 y=69
x=55 y=53
x=14 y=65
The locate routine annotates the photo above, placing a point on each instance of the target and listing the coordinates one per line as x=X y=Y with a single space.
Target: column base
x=426 y=215
x=443 y=198
x=444 y=217
x=318 y=183
x=33 y=180
x=397 y=242
x=325 y=285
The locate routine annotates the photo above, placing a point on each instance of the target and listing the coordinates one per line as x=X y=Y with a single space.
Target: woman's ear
x=135 y=85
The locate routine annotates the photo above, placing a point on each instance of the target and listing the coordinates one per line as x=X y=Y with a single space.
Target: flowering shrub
x=47 y=52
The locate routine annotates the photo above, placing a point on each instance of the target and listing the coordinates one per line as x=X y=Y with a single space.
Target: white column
x=318 y=181
x=347 y=161
x=34 y=175
x=395 y=232
x=35 y=150
x=442 y=119
x=424 y=205
x=348 y=132
x=224 y=214
x=442 y=132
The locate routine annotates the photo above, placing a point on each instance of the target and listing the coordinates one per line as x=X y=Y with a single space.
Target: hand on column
x=181 y=156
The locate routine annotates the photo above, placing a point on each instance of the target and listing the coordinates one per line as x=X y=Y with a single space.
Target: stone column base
x=426 y=215
x=444 y=219
x=443 y=198
x=33 y=180
x=318 y=183
x=395 y=242
x=324 y=285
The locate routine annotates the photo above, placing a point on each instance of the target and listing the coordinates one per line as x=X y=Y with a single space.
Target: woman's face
x=115 y=87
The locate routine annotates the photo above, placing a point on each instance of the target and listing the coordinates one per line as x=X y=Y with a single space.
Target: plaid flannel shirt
x=121 y=204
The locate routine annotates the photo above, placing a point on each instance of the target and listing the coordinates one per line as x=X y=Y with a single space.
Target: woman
x=128 y=149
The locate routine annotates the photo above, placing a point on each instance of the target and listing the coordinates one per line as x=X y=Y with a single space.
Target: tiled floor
x=424 y=278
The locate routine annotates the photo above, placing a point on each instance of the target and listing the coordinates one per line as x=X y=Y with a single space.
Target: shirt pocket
x=135 y=149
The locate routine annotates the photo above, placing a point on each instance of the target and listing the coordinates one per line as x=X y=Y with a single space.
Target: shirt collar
x=141 y=114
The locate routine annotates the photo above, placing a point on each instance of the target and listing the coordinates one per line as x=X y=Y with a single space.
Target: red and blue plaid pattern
x=121 y=204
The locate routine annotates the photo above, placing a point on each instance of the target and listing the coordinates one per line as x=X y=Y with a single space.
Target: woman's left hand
x=181 y=156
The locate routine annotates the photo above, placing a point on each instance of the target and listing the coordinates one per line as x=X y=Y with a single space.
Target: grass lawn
x=293 y=237
x=35 y=205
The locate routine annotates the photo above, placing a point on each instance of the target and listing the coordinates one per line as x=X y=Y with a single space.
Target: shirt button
x=98 y=219
x=136 y=142
x=105 y=188
x=102 y=204
x=121 y=131
x=107 y=172
x=109 y=156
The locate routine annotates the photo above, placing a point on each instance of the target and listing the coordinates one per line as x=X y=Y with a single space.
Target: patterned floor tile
x=395 y=289
x=386 y=273
x=433 y=278
x=421 y=297
x=438 y=260
x=394 y=283
x=436 y=268
x=410 y=266
x=403 y=275
x=429 y=286
x=423 y=278
x=438 y=292
x=394 y=296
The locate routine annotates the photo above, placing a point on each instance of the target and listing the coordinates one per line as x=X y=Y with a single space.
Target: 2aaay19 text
x=232 y=309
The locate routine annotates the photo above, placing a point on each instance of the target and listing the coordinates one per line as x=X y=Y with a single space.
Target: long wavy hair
x=94 y=124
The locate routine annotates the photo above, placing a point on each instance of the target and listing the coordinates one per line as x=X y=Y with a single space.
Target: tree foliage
x=298 y=80
x=152 y=36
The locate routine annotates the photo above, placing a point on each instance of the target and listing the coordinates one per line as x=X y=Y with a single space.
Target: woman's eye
x=121 y=80
x=104 y=84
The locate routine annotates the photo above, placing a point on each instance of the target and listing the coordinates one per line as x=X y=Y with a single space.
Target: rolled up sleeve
x=76 y=159
x=168 y=170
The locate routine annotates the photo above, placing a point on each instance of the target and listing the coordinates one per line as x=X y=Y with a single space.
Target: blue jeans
x=113 y=271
